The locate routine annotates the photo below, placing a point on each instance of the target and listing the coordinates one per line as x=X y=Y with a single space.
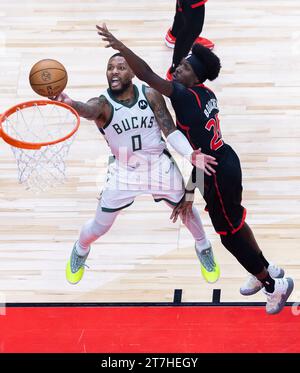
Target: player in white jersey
x=131 y=118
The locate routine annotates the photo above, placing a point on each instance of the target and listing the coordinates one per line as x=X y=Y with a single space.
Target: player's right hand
x=107 y=36
x=203 y=161
x=62 y=97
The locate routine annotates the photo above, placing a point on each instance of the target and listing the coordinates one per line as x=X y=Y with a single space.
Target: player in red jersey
x=196 y=109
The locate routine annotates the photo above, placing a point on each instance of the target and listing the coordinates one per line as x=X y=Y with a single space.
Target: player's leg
x=172 y=191
x=210 y=269
x=171 y=35
x=277 y=290
x=252 y=284
x=178 y=23
x=114 y=197
x=90 y=232
x=240 y=236
x=228 y=217
x=193 y=20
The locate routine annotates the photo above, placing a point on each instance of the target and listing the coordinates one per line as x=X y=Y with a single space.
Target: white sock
x=80 y=250
x=199 y=247
x=195 y=226
x=93 y=229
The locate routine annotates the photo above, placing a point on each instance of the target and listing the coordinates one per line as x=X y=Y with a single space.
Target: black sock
x=266 y=263
x=268 y=283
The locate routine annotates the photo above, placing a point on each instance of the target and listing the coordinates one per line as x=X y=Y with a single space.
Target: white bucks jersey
x=132 y=129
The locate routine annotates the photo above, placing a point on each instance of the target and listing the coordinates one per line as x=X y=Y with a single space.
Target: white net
x=44 y=168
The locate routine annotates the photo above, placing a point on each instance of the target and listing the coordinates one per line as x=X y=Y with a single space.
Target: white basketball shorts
x=159 y=177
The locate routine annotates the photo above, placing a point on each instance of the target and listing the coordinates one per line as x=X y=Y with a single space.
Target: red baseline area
x=126 y=329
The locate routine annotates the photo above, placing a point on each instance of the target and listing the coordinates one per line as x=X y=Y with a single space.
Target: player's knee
x=103 y=222
x=98 y=229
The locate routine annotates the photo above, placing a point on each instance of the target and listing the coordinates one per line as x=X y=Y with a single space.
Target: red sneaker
x=170 y=39
x=205 y=42
x=169 y=75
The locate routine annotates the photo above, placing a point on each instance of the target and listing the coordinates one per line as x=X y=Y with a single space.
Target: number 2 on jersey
x=216 y=141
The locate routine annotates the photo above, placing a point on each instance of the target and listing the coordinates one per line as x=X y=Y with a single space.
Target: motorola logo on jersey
x=143 y=104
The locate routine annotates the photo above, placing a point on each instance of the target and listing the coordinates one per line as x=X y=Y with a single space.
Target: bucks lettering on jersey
x=133 y=129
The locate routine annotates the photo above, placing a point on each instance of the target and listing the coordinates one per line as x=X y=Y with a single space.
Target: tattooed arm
x=174 y=137
x=96 y=108
x=161 y=112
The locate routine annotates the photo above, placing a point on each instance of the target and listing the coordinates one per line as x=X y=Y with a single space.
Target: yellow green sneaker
x=75 y=266
x=210 y=269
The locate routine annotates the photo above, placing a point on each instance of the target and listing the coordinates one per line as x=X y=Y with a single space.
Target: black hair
x=211 y=62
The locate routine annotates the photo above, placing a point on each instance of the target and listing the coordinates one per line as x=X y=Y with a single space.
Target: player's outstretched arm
x=140 y=68
x=93 y=109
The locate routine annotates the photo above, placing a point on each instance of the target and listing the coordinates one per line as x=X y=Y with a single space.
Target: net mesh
x=43 y=168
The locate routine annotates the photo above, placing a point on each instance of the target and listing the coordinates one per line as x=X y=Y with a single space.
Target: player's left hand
x=109 y=38
x=204 y=162
x=183 y=209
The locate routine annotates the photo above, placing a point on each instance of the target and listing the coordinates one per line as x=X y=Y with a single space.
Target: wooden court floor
x=145 y=257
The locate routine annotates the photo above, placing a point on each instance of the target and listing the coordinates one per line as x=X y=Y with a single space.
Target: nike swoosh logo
x=118 y=108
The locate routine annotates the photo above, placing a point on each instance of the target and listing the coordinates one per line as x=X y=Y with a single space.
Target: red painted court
x=165 y=329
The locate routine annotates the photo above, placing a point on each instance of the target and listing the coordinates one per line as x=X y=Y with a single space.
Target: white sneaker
x=276 y=300
x=275 y=271
x=253 y=285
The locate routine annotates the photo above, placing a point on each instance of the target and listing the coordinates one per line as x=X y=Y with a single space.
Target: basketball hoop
x=40 y=133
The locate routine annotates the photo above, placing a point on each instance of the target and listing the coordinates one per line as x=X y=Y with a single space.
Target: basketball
x=48 y=78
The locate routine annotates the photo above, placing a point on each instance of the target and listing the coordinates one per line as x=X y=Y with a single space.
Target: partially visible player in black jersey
x=197 y=111
x=187 y=26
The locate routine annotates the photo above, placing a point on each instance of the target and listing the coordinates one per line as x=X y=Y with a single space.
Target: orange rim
x=29 y=145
